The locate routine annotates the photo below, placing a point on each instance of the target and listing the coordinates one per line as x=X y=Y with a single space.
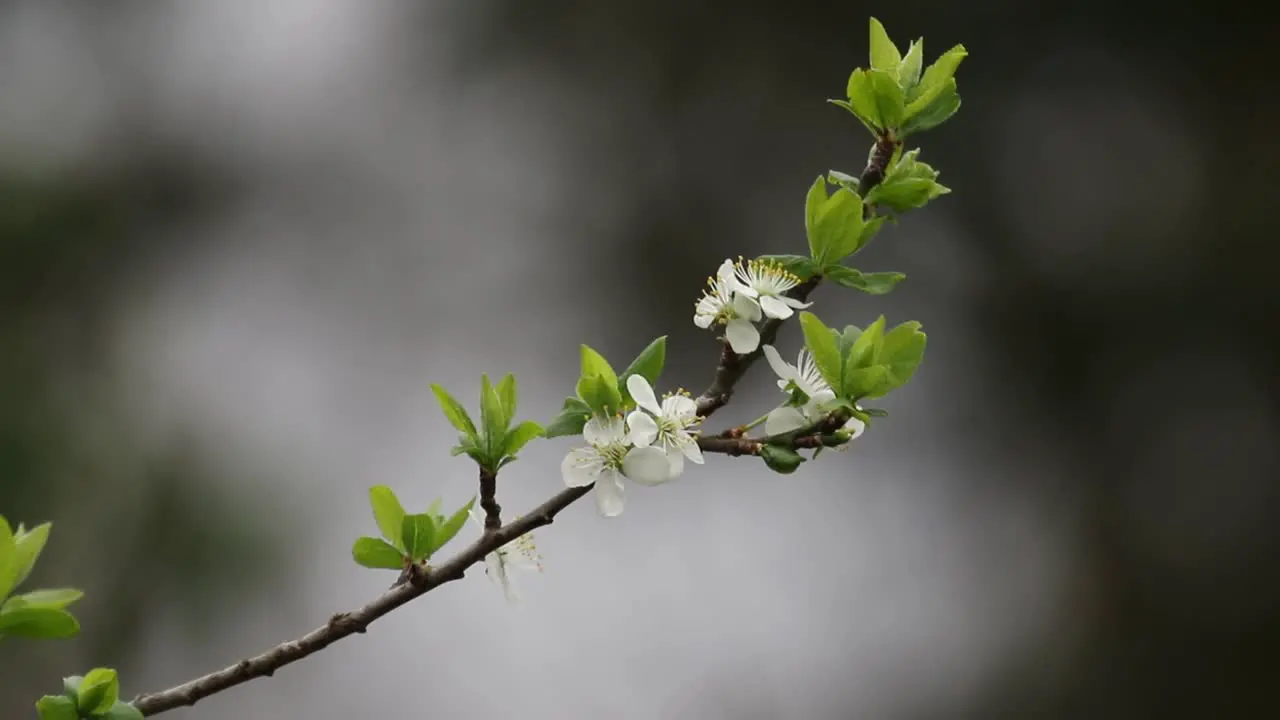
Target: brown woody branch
x=420 y=581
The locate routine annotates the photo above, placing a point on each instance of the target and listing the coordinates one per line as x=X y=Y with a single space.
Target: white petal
x=642 y=392
x=784 y=419
x=745 y=307
x=643 y=429
x=796 y=303
x=609 y=493
x=603 y=431
x=496 y=568
x=775 y=308
x=855 y=428
x=581 y=467
x=703 y=321
x=675 y=465
x=780 y=366
x=726 y=272
x=689 y=446
x=743 y=337
x=681 y=407
x=647 y=466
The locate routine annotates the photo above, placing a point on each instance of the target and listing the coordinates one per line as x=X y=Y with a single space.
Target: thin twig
x=489 y=500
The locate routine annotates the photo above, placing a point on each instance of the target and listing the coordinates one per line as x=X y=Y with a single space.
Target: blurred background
x=238 y=240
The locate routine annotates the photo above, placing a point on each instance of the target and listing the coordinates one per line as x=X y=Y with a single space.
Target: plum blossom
x=665 y=426
x=767 y=282
x=610 y=455
x=805 y=377
x=724 y=302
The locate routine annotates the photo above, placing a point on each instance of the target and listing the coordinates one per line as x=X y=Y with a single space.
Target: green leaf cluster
x=603 y=392
x=908 y=184
x=868 y=363
x=406 y=539
x=94 y=695
x=896 y=96
x=38 y=613
x=495 y=442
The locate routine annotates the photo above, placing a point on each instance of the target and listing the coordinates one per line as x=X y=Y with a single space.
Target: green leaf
x=870 y=283
x=849 y=106
x=891 y=106
x=71 y=685
x=937 y=75
x=833 y=223
x=507 y=394
x=48 y=598
x=866 y=348
x=38 y=622
x=494 y=419
x=648 y=364
x=593 y=363
x=822 y=346
x=601 y=394
x=451 y=526
x=122 y=711
x=377 y=554
x=864 y=382
x=781 y=459
x=909 y=70
x=99 y=691
x=862 y=100
x=520 y=436
x=8 y=558
x=884 y=54
x=573 y=416
x=926 y=117
x=453 y=410
x=901 y=353
x=847 y=339
x=57 y=707
x=28 y=545
x=417 y=533
x=388 y=513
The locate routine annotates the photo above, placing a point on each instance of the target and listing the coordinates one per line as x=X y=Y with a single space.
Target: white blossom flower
x=609 y=456
x=737 y=311
x=664 y=426
x=517 y=554
x=766 y=281
x=805 y=377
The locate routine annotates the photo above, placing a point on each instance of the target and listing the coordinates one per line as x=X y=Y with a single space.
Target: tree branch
x=344 y=624
x=420 y=581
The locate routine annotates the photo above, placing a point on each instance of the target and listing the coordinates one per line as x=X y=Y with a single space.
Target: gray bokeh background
x=238 y=240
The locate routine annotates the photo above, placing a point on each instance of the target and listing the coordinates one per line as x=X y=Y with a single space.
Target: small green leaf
x=507 y=394
x=28 y=544
x=907 y=193
x=121 y=711
x=937 y=74
x=388 y=513
x=822 y=346
x=494 y=419
x=891 y=106
x=849 y=106
x=863 y=102
x=377 y=554
x=909 y=70
x=570 y=421
x=454 y=412
x=865 y=350
x=864 y=382
x=8 y=558
x=520 y=436
x=848 y=338
x=99 y=691
x=601 y=394
x=928 y=116
x=48 y=598
x=884 y=54
x=38 y=622
x=648 y=364
x=417 y=534
x=593 y=363
x=798 y=265
x=834 y=224
x=71 y=685
x=901 y=353
x=781 y=459
x=57 y=707
x=451 y=526
x=870 y=283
